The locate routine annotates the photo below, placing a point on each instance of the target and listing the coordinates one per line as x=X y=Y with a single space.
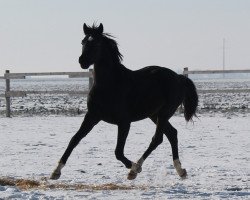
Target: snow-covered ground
x=215 y=150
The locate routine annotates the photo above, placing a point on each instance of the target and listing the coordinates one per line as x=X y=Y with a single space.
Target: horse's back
x=162 y=75
x=154 y=69
x=155 y=89
x=158 y=78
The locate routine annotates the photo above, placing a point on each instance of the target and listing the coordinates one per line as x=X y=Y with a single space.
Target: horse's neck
x=106 y=73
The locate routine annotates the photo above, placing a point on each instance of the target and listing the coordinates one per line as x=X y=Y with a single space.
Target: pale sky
x=45 y=35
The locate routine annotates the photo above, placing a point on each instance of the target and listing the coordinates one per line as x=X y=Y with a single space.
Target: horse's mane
x=113 y=46
x=110 y=42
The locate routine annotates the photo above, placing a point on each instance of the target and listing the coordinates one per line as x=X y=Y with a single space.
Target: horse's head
x=97 y=45
x=90 y=45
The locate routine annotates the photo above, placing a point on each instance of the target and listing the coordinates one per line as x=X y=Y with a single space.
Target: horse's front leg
x=88 y=123
x=123 y=130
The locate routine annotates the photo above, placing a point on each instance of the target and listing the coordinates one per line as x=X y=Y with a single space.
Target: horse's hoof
x=55 y=175
x=183 y=174
x=132 y=175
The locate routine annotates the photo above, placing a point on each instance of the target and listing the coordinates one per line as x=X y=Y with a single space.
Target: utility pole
x=223 y=56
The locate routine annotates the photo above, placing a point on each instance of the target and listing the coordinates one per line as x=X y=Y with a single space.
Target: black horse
x=120 y=96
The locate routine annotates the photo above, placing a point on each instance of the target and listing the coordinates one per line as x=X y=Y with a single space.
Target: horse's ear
x=86 y=29
x=100 y=28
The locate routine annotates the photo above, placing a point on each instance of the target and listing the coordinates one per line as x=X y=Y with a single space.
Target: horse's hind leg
x=171 y=134
x=156 y=140
x=88 y=123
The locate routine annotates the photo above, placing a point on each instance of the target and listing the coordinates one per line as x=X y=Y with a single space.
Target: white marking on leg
x=60 y=166
x=136 y=167
x=140 y=161
x=181 y=172
x=57 y=172
x=133 y=171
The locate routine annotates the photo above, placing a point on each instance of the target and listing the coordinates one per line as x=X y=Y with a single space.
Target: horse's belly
x=146 y=109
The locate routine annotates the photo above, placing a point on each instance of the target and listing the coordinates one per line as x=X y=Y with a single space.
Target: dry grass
x=26 y=184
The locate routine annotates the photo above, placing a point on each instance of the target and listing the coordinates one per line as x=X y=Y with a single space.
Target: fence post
x=7 y=97
x=185 y=72
x=91 y=79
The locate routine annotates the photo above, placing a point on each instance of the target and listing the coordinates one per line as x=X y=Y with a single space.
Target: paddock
x=214 y=149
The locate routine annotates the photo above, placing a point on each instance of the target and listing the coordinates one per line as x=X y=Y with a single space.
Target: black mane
x=113 y=45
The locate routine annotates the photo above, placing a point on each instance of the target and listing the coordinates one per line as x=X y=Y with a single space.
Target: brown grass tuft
x=26 y=184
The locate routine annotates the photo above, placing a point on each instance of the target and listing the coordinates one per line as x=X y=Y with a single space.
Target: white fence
x=10 y=93
x=187 y=72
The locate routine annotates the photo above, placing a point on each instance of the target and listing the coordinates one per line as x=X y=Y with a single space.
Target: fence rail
x=25 y=93
x=70 y=74
x=186 y=72
x=224 y=91
x=10 y=93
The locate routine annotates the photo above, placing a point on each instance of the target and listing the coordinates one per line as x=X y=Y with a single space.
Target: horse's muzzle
x=82 y=64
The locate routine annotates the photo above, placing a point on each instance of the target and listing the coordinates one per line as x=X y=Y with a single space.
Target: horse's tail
x=190 y=101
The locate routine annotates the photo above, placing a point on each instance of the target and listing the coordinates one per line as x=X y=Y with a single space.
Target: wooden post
x=7 y=97
x=185 y=72
x=91 y=78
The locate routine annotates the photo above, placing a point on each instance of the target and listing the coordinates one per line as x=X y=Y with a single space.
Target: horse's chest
x=110 y=107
